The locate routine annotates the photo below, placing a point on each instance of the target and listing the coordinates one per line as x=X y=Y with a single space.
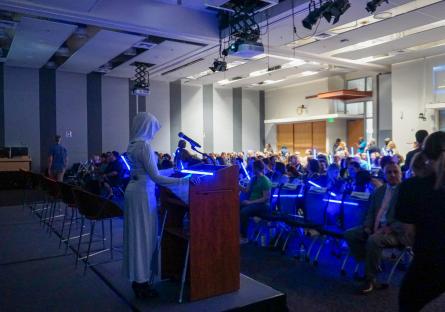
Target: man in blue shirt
x=57 y=160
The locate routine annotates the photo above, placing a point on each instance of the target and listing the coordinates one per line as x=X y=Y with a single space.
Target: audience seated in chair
x=113 y=173
x=380 y=230
x=258 y=191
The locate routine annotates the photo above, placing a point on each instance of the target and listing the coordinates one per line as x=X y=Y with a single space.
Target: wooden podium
x=212 y=243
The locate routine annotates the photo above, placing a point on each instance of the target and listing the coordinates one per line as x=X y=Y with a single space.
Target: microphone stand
x=203 y=154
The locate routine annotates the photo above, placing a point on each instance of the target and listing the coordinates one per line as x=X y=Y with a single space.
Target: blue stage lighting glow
x=197 y=172
x=333 y=194
x=339 y=202
x=125 y=161
x=245 y=171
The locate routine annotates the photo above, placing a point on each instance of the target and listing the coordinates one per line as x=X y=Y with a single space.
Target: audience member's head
x=182 y=143
x=384 y=161
x=353 y=168
x=420 y=137
x=258 y=167
x=313 y=166
x=398 y=159
x=333 y=171
x=393 y=174
x=387 y=140
x=420 y=167
x=434 y=148
x=57 y=139
x=280 y=167
x=391 y=145
x=116 y=155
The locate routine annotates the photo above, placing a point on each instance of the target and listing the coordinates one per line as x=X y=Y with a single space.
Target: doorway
x=355 y=131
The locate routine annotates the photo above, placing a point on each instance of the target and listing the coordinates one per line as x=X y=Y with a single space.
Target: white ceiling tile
x=36 y=40
x=100 y=49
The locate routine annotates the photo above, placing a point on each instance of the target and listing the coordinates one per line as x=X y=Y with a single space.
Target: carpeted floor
x=35 y=275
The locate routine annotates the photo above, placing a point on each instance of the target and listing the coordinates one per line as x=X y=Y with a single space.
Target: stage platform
x=38 y=276
x=252 y=296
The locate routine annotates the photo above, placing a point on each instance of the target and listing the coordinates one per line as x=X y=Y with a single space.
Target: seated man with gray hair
x=380 y=230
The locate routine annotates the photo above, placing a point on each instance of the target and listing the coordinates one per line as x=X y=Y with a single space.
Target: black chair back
x=355 y=207
x=66 y=192
x=94 y=207
x=315 y=205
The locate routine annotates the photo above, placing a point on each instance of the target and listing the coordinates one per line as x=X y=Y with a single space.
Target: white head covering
x=145 y=126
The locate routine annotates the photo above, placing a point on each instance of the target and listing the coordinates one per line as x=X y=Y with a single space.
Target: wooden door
x=302 y=137
x=285 y=136
x=355 y=131
x=319 y=136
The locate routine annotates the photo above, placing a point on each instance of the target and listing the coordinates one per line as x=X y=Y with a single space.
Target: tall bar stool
x=54 y=196
x=67 y=195
x=95 y=208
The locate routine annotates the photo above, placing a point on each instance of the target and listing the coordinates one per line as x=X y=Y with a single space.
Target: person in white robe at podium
x=141 y=213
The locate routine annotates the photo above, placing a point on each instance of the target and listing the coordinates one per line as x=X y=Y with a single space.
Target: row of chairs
x=78 y=205
x=310 y=211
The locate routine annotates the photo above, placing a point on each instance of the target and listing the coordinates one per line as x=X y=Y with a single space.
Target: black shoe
x=144 y=290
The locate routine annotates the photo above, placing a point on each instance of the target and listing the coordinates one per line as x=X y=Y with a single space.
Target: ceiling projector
x=245 y=49
x=140 y=91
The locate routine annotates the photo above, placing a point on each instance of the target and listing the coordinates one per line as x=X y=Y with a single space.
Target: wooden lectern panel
x=214 y=235
x=214 y=263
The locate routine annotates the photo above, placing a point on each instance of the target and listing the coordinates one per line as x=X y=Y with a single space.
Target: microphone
x=191 y=141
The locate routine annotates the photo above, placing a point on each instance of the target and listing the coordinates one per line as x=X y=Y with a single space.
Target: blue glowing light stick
x=125 y=162
x=245 y=171
x=197 y=172
x=339 y=202
x=313 y=183
x=369 y=159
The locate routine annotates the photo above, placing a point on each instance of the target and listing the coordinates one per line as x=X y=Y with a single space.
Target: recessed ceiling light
x=383 y=15
x=385 y=39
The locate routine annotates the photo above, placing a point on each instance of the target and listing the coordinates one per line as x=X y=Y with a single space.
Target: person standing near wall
x=57 y=160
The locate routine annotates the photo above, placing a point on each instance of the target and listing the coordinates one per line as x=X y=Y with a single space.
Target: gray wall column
x=2 y=105
x=262 y=116
x=208 y=117
x=175 y=113
x=47 y=113
x=142 y=104
x=94 y=113
x=132 y=111
x=237 y=119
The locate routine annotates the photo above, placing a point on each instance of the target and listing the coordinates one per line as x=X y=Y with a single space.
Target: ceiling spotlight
x=371 y=6
x=329 y=9
x=337 y=9
x=219 y=65
x=313 y=16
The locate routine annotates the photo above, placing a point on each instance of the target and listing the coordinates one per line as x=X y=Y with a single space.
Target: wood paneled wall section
x=302 y=137
x=285 y=136
x=355 y=130
x=319 y=136
x=299 y=137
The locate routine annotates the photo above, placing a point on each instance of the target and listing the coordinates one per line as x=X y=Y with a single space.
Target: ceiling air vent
x=324 y=36
x=146 y=45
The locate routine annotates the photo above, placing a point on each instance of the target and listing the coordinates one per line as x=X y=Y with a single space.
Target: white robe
x=141 y=215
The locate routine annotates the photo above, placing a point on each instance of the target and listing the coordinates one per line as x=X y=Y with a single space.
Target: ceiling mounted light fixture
x=371 y=6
